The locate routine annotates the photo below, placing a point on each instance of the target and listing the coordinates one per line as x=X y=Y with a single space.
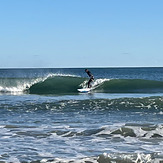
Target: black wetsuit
x=91 y=78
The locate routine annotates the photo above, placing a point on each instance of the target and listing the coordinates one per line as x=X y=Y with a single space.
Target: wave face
x=131 y=86
x=68 y=84
x=57 y=85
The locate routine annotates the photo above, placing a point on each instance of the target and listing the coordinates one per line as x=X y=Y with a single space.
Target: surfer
x=91 y=77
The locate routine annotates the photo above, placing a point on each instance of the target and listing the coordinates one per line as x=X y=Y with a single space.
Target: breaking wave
x=68 y=84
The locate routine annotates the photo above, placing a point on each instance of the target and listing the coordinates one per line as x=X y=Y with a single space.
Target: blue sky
x=81 y=33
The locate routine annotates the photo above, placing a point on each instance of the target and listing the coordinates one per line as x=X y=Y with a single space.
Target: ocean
x=44 y=119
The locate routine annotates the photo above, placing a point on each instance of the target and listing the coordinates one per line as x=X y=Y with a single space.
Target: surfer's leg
x=89 y=83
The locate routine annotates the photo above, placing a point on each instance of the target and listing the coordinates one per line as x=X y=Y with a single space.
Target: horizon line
x=81 y=67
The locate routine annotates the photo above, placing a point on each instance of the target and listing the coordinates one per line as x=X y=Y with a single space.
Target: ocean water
x=44 y=119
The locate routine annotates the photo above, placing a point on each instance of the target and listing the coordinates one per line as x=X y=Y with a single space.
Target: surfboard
x=84 y=90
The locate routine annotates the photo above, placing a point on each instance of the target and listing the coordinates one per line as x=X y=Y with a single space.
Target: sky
x=81 y=33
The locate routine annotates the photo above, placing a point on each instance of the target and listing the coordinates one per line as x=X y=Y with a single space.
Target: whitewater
x=43 y=118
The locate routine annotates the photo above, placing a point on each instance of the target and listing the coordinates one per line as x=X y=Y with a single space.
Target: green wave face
x=57 y=85
x=131 y=86
x=64 y=84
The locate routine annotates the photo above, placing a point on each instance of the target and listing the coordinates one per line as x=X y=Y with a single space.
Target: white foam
x=95 y=84
x=139 y=132
x=161 y=113
x=13 y=159
x=60 y=74
x=44 y=161
x=10 y=89
x=137 y=158
x=45 y=154
x=143 y=158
